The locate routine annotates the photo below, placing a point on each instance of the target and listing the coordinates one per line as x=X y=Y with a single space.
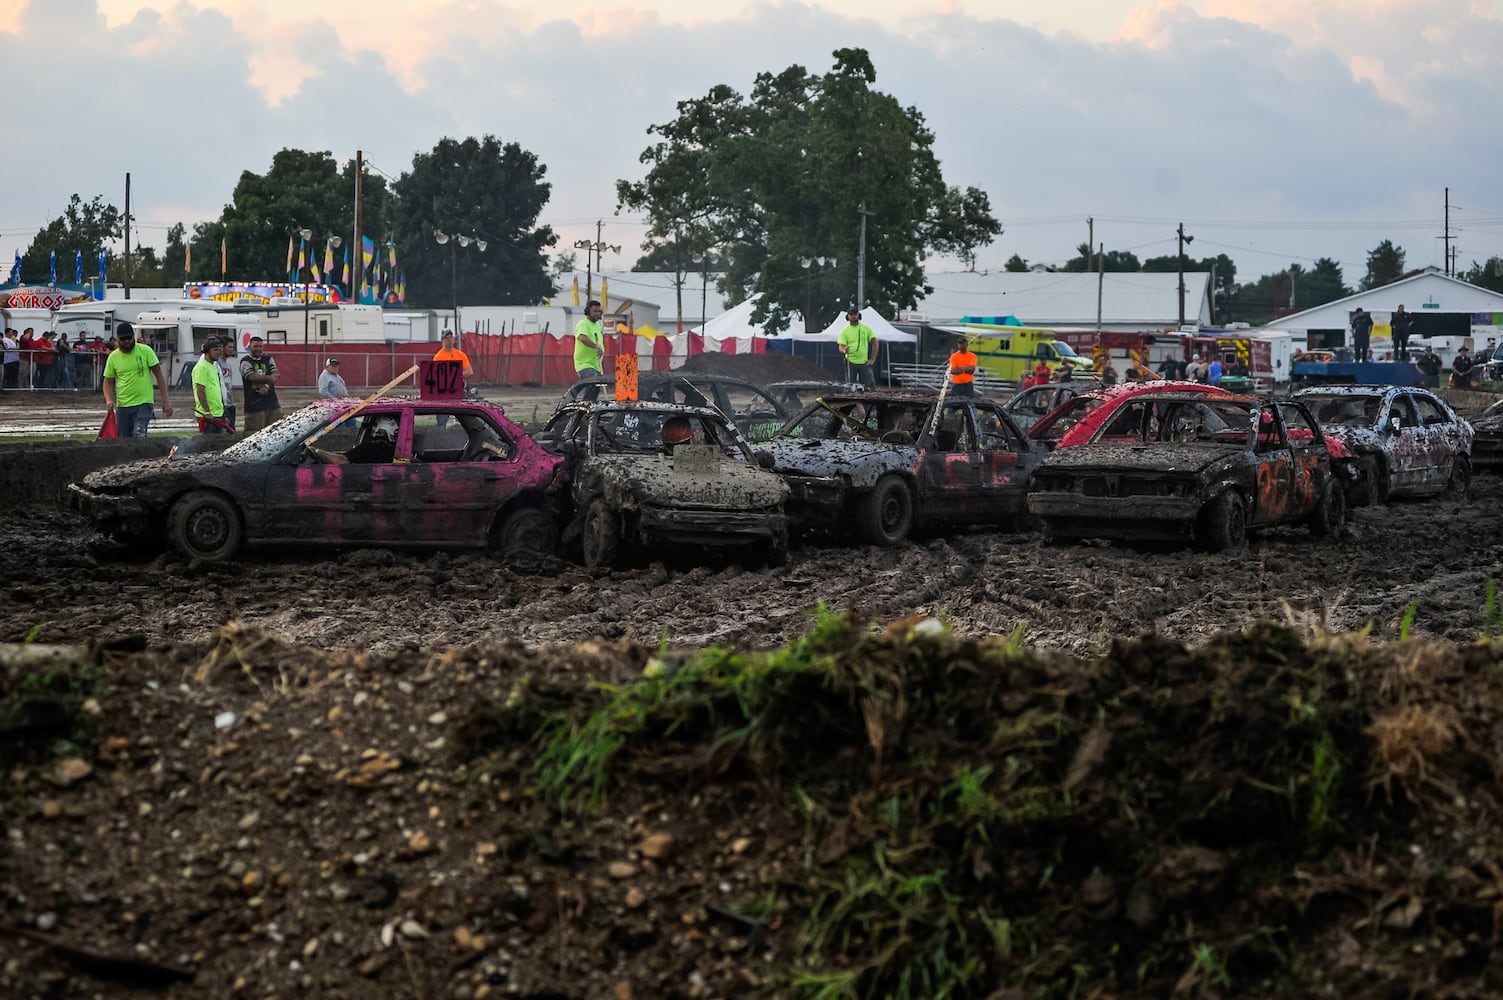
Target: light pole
x=455 y=241
x=597 y=248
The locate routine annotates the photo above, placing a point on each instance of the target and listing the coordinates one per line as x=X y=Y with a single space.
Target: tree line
x=798 y=192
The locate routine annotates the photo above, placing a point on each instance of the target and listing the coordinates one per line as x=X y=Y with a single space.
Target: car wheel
x=885 y=515
x=1460 y=483
x=206 y=525
x=527 y=532
x=601 y=537
x=1330 y=513
x=1223 y=523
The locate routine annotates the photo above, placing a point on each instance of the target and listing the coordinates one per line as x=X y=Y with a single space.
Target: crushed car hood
x=149 y=469
x=652 y=479
x=824 y=458
x=1123 y=457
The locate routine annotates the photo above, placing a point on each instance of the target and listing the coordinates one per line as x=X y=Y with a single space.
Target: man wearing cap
x=208 y=390
x=962 y=370
x=128 y=390
x=859 y=345
x=448 y=352
x=330 y=384
x=589 y=347
x=258 y=373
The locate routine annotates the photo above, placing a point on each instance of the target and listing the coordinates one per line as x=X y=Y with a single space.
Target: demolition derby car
x=1077 y=418
x=648 y=473
x=1030 y=405
x=1407 y=441
x=755 y=412
x=395 y=472
x=1487 y=439
x=884 y=462
x=1207 y=467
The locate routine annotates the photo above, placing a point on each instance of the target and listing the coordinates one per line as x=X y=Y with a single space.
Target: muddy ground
x=298 y=775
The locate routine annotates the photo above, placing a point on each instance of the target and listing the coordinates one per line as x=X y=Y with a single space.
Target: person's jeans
x=132 y=421
x=589 y=392
x=962 y=388
x=865 y=374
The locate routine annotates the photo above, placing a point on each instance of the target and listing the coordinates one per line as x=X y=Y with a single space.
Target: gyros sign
x=32 y=299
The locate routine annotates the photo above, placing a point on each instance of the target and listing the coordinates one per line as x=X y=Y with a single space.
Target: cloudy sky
x=1277 y=131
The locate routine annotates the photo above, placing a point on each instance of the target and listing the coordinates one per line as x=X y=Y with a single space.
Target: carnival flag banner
x=98 y=292
x=78 y=267
x=224 y=256
x=290 y=275
x=328 y=260
x=15 y=272
x=52 y=271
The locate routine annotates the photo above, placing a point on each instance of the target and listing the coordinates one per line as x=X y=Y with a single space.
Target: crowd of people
x=41 y=361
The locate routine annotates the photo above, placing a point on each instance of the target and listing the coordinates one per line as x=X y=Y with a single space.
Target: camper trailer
x=177 y=336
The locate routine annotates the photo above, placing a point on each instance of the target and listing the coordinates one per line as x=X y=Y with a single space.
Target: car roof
x=642 y=405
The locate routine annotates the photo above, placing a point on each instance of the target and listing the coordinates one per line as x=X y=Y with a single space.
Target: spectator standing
x=1429 y=365
x=448 y=352
x=1401 y=323
x=330 y=385
x=12 y=359
x=227 y=381
x=258 y=373
x=1195 y=371
x=1461 y=369
x=208 y=390
x=1213 y=371
x=1362 y=331
x=64 y=364
x=859 y=345
x=128 y=390
x=42 y=345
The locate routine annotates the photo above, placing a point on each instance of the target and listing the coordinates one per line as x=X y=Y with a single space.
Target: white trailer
x=177 y=336
x=1281 y=350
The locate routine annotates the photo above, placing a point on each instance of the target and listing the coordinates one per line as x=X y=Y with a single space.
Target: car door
x=1005 y=462
x=1309 y=463
x=462 y=471
x=949 y=472
x=335 y=500
x=1439 y=438
x=1408 y=463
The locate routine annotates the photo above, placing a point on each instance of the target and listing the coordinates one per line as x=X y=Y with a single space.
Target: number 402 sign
x=440 y=380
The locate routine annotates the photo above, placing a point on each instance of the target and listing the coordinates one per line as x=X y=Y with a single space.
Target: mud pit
x=361 y=823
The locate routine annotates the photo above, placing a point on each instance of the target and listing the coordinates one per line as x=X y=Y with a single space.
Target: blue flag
x=15 y=272
x=99 y=292
x=52 y=274
x=78 y=267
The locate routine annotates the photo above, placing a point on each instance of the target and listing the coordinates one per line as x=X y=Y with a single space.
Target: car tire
x=1460 y=483
x=884 y=516
x=601 y=538
x=528 y=532
x=1330 y=512
x=207 y=526
x=1223 y=523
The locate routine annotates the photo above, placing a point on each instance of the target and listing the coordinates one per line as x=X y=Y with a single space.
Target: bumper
x=104 y=506
x=1128 y=518
x=709 y=527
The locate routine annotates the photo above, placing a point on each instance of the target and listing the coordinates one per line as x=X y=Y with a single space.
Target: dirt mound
x=850 y=815
x=761 y=369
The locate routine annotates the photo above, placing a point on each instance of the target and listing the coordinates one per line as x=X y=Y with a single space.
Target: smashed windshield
x=1343 y=409
x=271 y=441
x=860 y=420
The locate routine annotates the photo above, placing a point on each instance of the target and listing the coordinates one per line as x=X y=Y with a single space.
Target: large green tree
x=1385 y=265
x=1291 y=290
x=1488 y=275
x=485 y=191
x=84 y=226
x=1224 y=275
x=302 y=190
x=787 y=176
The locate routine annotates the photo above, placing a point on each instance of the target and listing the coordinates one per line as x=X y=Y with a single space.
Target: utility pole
x=1183 y=239
x=127 y=237
x=1100 y=281
x=357 y=246
x=1089 y=246
x=861 y=260
x=1447 y=237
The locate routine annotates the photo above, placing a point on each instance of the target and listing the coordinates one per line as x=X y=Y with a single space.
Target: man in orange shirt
x=448 y=352
x=962 y=370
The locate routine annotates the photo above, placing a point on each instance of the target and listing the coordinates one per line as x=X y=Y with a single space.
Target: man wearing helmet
x=676 y=431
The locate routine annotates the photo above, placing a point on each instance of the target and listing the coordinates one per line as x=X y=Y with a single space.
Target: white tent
x=885 y=332
x=736 y=323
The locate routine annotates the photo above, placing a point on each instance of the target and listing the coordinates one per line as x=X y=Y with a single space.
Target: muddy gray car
x=1197 y=467
x=881 y=463
x=645 y=474
x=1407 y=441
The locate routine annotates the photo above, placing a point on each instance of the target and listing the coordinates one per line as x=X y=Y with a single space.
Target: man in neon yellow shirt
x=208 y=392
x=128 y=389
x=859 y=345
x=589 y=347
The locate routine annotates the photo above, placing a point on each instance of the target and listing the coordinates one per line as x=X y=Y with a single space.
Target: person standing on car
x=258 y=372
x=589 y=348
x=1402 y=325
x=962 y=370
x=330 y=384
x=208 y=390
x=859 y=345
x=128 y=391
x=1362 y=331
x=1429 y=366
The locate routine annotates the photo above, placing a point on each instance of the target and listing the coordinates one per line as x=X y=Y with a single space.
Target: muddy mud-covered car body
x=1407 y=441
x=1198 y=467
x=1487 y=439
x=880 y=463
x=754 y=411
x=1079 y=417
x=631 y=489
x=397 y=472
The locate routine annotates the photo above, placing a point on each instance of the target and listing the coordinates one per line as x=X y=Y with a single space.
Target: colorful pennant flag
x=288 y=272
x=605 y=296
x=302 y=257
x=52 y=272
x=224 y=257
x=15 y=272
x=328 y=260
x=103 y=259
x=345 y=278
x=576 y=290
x=188 y=259
x=78 y=267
